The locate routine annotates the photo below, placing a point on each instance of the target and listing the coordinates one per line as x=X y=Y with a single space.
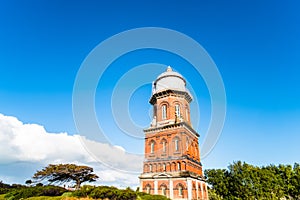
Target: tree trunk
x=77 y=185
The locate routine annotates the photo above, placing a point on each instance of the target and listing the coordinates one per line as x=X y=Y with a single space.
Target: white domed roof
x=169 y=80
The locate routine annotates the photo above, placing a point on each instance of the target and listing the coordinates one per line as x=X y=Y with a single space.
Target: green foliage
x=44 y=198
x=28 y=182
x=145 y=196
x=4 y=188
x=56 y=193
x=112 y=193
x=67 y=194
x=213 y=195
x=26 y=192
x=244 y=181
x=62 y=173
x=84 y=191
x=3 y=185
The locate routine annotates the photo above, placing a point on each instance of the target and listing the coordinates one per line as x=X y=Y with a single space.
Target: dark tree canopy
x=63 y=173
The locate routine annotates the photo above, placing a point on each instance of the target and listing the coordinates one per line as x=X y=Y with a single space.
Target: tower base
x=174 y=185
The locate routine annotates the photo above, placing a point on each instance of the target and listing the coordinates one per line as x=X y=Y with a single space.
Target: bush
x=113 y=193
x=4 y=190
x=84 y=191
x=4 y=185
x=105 y=192
x=26 y=192
x=52 y=190
x=127 y=194
x=45 y=198
x=145 y=196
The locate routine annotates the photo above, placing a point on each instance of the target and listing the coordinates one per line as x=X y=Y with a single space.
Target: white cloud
x=114 y=156
x=31 y=143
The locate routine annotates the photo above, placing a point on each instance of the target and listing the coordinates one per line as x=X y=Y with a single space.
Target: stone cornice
x=166 y=175
x=171 y=126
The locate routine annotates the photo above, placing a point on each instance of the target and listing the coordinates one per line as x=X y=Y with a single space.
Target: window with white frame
x=180 y=190
x=176 y=144
x=187 y=114
x=152 y=147
x=164 y=112
x=178 y=166
x=177 y=110
x=164 y=146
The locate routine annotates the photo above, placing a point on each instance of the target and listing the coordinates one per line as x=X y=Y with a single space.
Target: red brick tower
x=172 y=164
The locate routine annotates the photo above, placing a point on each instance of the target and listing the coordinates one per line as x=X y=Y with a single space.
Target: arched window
x=148 y=188
x=183 y=165
x=178 y=166
x=180 y=191
x=163 y=189
x=164 y=144
x=177 y=110
x=164 y=167
x=187 y=143
x=150 y=168
x=152 y=144
x=176 y=144
x=187 y=114
x=164 y=112
x=159 y=167
x=199 y=187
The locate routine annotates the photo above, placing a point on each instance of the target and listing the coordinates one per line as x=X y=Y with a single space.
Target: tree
x=245 y=181
x=218 y=180
x=63 y=173
x=28 y=182
x=213 y=195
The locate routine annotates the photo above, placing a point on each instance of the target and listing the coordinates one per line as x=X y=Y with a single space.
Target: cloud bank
x=30 y=143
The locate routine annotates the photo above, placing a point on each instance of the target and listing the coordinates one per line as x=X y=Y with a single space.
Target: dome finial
x=169 y=69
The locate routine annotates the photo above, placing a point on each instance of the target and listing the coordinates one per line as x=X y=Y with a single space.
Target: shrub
x=4 y=185
x=105 y=192
x=52 y=190
x=4 y=190
x=145 y=196
x=84 y=191
x=127 y=194
x=26 y=192
x=45 y=198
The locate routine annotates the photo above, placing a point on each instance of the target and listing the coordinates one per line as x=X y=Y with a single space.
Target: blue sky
x=255 y=45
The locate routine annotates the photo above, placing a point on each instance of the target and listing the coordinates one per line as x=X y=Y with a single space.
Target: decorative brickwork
x=172 y=164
